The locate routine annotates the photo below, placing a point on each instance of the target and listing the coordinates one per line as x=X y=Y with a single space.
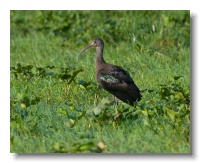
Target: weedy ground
x=56 y=105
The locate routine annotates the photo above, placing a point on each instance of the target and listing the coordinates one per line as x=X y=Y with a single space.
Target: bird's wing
x=115 y=75
x=118 y=82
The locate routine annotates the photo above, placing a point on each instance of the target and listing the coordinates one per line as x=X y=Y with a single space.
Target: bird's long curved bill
x=89 y=46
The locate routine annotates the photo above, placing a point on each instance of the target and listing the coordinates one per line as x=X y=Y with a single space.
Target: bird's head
x=97 y=42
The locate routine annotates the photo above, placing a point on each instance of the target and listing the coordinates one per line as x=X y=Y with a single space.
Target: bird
x=114 y=79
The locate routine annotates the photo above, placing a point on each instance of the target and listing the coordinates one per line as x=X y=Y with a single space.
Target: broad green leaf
x=63 y=112
x=79 y=117
x=82 y=87
x=171 y=114
x=97 y=110
x=86 y=146
x=177 y=77
x=145 y=113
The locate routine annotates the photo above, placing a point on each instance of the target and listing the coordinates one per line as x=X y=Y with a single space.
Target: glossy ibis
x=114 y=79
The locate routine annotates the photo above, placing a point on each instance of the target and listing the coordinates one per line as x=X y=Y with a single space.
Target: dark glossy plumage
x=113 y=78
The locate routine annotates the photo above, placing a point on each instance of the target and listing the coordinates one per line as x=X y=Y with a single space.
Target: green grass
x=56 y=104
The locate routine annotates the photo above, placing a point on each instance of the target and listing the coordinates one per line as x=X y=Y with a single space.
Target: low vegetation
x=56 y=105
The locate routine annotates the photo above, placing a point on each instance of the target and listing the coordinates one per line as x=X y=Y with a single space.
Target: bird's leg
x=115 y=101
x=115 y=104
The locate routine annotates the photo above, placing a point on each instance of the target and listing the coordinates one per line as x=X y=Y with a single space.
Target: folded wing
x=118 y=82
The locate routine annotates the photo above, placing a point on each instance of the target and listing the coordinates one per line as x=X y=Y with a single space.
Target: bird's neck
x=99 y=56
